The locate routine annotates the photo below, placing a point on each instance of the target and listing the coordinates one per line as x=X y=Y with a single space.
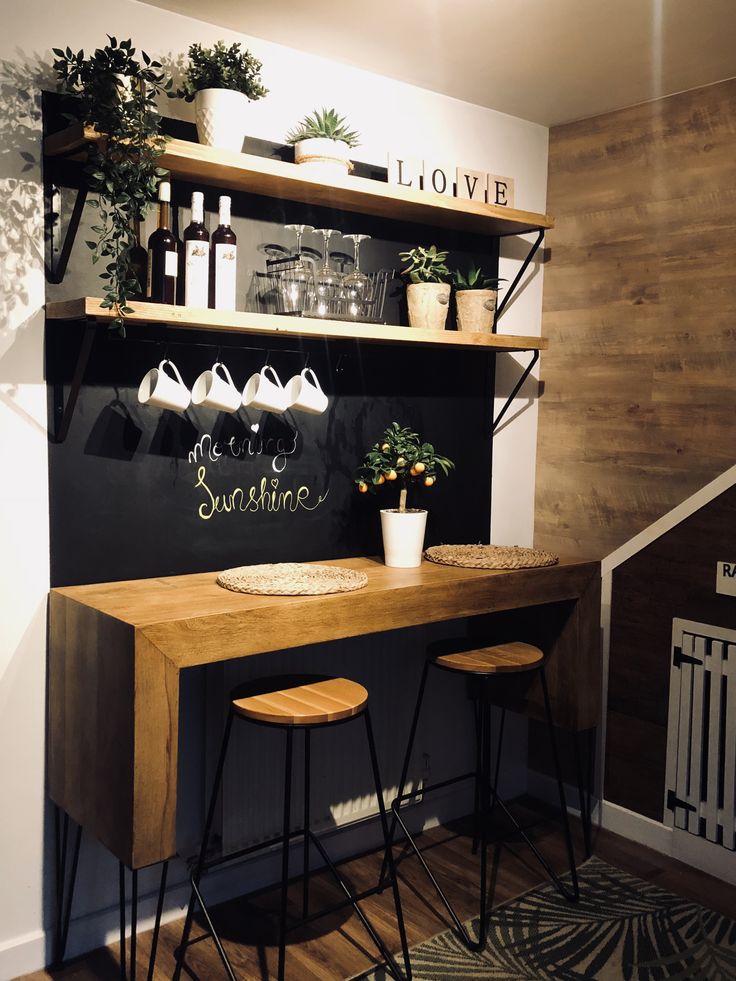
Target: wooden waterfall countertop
x=116 y=649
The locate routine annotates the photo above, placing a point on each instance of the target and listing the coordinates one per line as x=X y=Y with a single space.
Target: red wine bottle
x=223 y=261
x=196 y=256
x=139 y=264
x=162 y=253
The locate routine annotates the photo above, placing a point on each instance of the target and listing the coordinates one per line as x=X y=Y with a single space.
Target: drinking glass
x=296 y=283
x=327 y=281
x=356 y=285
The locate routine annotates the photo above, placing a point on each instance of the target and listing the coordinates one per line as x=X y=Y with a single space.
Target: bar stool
x=296 y=703
x=486 y=670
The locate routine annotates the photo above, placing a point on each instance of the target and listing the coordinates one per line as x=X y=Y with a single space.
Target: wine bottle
x=223 y=261
x=139 y=263
x=196 y=256
x=162 y=253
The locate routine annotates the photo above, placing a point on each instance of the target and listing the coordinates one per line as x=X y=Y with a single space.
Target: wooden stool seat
x=300 y=700
x=500 y=659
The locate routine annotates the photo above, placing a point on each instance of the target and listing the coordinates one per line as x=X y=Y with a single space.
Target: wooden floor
x=337 y=947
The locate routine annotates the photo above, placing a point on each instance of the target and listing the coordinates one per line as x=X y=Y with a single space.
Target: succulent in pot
x=322 y=141
x=428 y=290
x=221 y=81
x=401 y=459
x=476 y=295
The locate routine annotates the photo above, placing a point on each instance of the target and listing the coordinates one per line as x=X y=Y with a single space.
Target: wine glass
x=327 y=281
x=356 y=285
x=296 y=281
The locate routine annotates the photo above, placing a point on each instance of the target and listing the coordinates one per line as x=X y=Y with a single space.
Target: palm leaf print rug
x=622 y=929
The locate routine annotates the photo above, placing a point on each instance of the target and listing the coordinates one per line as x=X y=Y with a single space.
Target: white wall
x=389 y=115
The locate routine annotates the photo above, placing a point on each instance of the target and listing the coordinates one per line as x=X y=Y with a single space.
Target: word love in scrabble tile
x=442 y=178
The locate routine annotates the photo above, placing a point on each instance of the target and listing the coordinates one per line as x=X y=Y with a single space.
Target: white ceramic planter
x=324 y=158
x=428 y=303
x=475 y=310
x=403 y=537
x=221 y=118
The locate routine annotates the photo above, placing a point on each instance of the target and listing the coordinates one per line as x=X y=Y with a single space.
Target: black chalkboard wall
x=138 y=492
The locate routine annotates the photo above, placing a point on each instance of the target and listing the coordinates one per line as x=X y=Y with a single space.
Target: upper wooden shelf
x=90 y=308
x=275 y=178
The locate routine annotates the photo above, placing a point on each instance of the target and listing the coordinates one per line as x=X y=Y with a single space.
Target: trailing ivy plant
x=400 y=458
x=117 y=96
x=327 y=125
x=222 y=67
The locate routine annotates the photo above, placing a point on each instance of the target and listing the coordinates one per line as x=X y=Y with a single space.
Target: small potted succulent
x=400 y=459
x=428 y=290
x=323 y=142
x=476 y=295
x=221 y=81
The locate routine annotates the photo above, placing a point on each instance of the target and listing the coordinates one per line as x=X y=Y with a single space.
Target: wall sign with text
x=442 y=178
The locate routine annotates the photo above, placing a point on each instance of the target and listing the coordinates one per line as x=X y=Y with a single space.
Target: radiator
x=700 y=788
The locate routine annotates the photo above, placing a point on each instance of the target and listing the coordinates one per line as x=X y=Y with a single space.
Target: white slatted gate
x=700 y=789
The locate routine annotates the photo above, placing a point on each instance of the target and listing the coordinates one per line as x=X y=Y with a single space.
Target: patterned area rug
x=622 y=928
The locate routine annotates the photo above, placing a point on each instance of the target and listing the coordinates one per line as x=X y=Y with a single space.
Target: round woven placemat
x=292 y=579
x=490 y=556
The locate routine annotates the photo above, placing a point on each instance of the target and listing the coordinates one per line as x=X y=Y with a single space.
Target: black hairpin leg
x=65 y=883
x=405 y=766
x=197 y=873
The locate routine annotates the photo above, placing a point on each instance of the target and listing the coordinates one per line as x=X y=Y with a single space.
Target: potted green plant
x=401 y=459
x=323 y=141
x=116 y=95
x=221 y=81
x=428 y=290
x=476 y=295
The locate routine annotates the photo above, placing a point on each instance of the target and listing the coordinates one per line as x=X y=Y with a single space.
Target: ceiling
x=549 y=61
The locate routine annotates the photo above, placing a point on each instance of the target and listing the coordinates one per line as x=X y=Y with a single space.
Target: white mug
x=305 y=393
x=264 y=390
x=163 y=391
x=216 y=391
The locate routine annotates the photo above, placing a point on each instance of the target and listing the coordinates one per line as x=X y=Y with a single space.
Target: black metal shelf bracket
x=59 y=251
x=517 y=388
x=63 y=412
x=517 y=279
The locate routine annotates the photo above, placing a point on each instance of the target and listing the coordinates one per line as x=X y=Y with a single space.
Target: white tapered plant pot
x=475 y=310
x=403 y=537
x=221 y=118
x=323 y=158
x=428 y=304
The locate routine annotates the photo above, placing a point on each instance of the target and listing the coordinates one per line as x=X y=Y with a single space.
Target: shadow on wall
x=22 y=215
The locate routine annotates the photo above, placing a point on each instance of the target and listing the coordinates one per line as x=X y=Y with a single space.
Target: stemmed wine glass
x=296 y=282
x=327 y=281
x=356 y=285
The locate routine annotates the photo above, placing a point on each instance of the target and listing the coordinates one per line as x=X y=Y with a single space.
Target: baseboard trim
x=686 y=848
x=22 y=955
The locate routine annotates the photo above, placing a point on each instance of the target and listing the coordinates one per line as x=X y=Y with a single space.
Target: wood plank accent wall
x=638 y=407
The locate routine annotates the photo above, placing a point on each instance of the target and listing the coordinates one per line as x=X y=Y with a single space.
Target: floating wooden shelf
x=90 y=308
x=275 y=178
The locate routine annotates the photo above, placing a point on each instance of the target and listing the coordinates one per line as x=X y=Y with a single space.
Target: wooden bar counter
x=116 y=650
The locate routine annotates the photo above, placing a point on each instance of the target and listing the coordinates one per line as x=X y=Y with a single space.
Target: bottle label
x=149 y=277
x=225 y=266
x=196 y=274
x=171 y=266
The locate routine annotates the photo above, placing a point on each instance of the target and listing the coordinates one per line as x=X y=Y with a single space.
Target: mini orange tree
x=401 y=456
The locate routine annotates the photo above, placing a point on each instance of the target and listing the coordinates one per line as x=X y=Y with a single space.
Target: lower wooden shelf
x=90 y=308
